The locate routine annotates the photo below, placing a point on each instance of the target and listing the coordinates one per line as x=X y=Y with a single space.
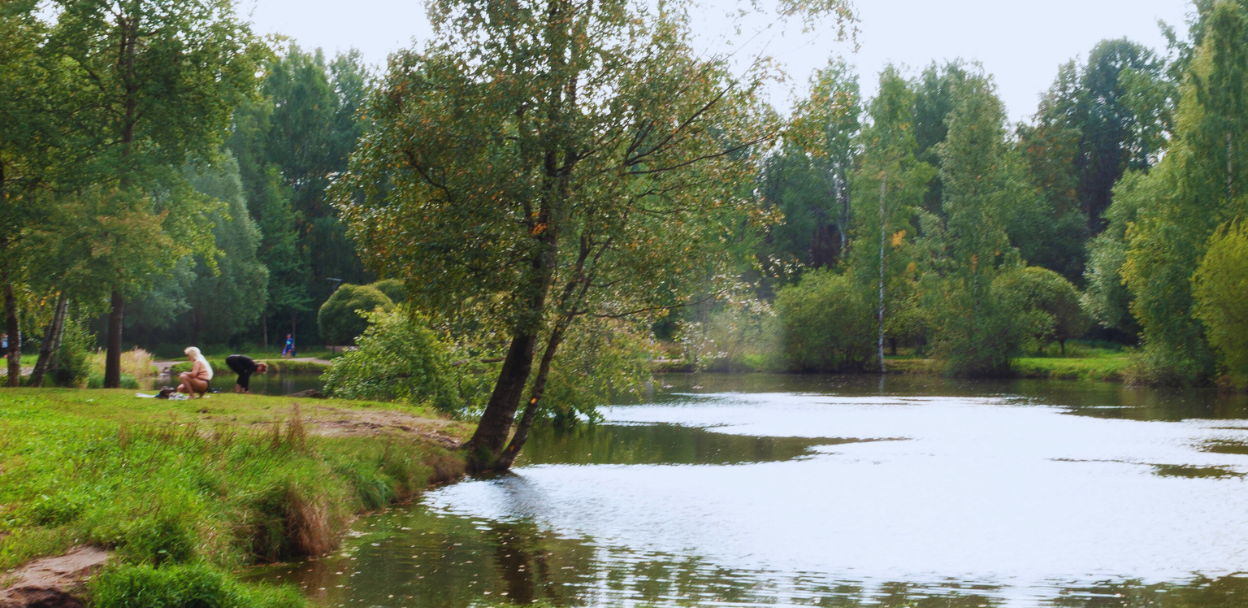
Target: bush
x=1048 y=303
x=978 y=334
x=188 y=586
x=602 y=361
x=393 y=288
x=72 y=364
x=826 y=324
x=340 y=320
x=398 y=359
x=1220 y=287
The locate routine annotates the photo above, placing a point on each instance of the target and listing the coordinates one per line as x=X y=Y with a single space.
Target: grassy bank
x=185 y=492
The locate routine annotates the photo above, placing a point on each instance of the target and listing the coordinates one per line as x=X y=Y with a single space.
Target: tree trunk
x=880 y=312
x=494 y=427
x=112 y=356
x=508 y=457
x=13 y=328
x=51 y=341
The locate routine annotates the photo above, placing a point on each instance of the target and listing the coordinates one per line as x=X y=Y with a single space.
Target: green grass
x=1092 y=365
x=211 y=484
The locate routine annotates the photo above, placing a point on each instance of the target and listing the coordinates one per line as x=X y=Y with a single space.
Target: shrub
x=978 y=335
x=1048 y=303
x=72 y=364
x=1220 y=287
x=826 y=324
x=398 y=359
x=603 y=360
x=393 y=288
x=187 y=586
x=339 y=318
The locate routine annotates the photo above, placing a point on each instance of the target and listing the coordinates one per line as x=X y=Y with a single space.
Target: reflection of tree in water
x=1225 y=592
x=664 y=444
x=424 y=559
x=524 y=562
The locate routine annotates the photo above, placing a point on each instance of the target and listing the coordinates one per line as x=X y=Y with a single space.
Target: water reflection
x=835 y=492
x=665 y=444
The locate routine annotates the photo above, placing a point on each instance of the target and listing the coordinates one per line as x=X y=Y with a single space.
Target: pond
x=262 y=384
x=834 y=491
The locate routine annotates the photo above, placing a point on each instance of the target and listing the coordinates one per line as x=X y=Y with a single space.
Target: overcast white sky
x=1019 y=42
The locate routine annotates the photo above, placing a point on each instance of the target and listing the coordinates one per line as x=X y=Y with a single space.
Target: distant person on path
x=195 y=381
x=289 y=349
x=244 y=366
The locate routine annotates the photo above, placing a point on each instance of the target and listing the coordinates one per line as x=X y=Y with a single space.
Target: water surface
x=829 y=491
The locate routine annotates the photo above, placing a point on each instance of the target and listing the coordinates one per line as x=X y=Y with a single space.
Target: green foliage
x=609 y=360
x=977 y=328
x=184 y=586
x=888 y=188
x=1198 y=186
x=979 y=331
x=1220 y=287
x=1046 y=303
x=826 y=324
x=393 y=288
x=398 y=359
x=807 y=181
x=1106 y=298
x=72 y=363
x=340 y=320
x=290 y=142
x=229 y=292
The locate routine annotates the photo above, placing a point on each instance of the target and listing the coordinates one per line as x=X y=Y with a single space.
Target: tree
x=976 y=334
x=936 y=94
x=228 y=293
x=1219 y=286
x=808 y=180
x=162 y=78
x=1049 y=299
x=544 y=160
x=290 y=144
x=27 y=139
x=1113 y=135
x=889 y=185
x=825 y=322
x=1050 y=149
x=1198 y=186
x=341 y=318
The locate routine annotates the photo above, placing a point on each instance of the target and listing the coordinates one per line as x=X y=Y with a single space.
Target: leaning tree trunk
x=51 y=341
x=112 y=358
x=13 y=328
x=521 y=436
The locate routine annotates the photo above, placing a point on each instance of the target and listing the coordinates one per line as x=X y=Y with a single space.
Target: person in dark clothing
x=244 y=366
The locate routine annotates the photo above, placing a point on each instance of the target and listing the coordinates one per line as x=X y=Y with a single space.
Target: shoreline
x=197 y=488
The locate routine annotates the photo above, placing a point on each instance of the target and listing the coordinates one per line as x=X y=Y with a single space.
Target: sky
x=1020 y=43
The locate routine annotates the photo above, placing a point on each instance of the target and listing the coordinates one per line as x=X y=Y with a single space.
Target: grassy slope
x=226 y=481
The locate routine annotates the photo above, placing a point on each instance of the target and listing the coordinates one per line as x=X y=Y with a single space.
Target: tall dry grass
x=136 y=363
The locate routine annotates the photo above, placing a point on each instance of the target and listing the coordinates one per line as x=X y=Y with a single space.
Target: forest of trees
x=547 y=179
